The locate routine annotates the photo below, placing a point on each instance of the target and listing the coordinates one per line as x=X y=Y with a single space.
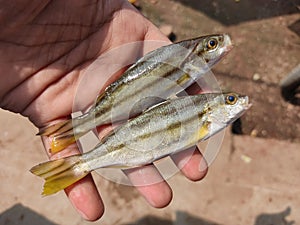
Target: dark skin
x=46 y=47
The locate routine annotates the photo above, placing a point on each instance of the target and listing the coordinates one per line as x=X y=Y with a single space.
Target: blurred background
x=266 y=39
x=255 y=178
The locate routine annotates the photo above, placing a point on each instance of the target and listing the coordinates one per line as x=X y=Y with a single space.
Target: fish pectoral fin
x=200 y=134
x=203 y=131
x=60 y=173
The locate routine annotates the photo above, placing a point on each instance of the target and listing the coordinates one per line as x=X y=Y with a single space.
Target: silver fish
x=155 y=77
x=166 y=128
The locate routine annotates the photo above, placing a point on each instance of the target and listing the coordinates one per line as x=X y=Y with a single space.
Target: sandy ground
x=253 y=181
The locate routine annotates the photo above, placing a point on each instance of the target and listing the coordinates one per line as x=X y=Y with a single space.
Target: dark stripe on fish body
x=115 y=148
x=150 y=69
x=140 y=123
x=183 y=79
x=175 y=125
x=154 y=82
x=162 y=130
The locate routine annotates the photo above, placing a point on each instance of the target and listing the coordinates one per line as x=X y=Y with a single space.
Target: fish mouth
x=228 y=44
x=228 y=49
x=246 y=104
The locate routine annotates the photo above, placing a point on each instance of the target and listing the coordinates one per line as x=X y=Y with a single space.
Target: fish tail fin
x=57 y=128
x=61 y=141
x=63 y=135
x=60 y=173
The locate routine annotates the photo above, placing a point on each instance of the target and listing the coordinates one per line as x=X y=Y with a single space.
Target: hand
x=46 y=47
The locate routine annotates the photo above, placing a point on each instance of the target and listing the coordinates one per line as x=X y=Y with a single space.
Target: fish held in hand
x=165 y=71
x=171 y=126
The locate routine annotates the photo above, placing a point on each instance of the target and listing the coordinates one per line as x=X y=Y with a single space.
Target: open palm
x=46 y=47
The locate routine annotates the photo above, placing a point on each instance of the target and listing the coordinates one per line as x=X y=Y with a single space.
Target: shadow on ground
x=237 y=11
x=20 y=215
x=275 y=219
x=295 y=27
x=183 y=218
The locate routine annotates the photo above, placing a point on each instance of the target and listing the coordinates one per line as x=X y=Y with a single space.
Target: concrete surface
x=266 y=37
x=252 y=181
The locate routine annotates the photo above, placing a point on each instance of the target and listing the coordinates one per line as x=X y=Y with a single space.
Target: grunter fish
x=163 y=129
x=163 y=72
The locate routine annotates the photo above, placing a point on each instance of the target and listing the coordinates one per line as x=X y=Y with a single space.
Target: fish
x=155 y=77
x=162 y=130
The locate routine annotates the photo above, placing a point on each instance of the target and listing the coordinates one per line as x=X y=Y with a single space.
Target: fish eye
x=212 y=43
x=231 y=99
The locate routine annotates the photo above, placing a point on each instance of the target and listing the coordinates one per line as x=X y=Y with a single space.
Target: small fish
x=163 y=72
x=162 y=130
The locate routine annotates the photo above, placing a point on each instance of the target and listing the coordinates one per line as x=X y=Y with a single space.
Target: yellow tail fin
x=57 y=128
x=61 y=173
x=63 y=135
x=62 y=141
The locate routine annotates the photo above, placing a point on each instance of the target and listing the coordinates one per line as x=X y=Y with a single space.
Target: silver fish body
x=155 y=77
x=161 y=73
x=162 y=130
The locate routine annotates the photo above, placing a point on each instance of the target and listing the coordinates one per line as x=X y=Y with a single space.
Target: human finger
x=151 y=185
x=191 y=163
x=83 y=194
